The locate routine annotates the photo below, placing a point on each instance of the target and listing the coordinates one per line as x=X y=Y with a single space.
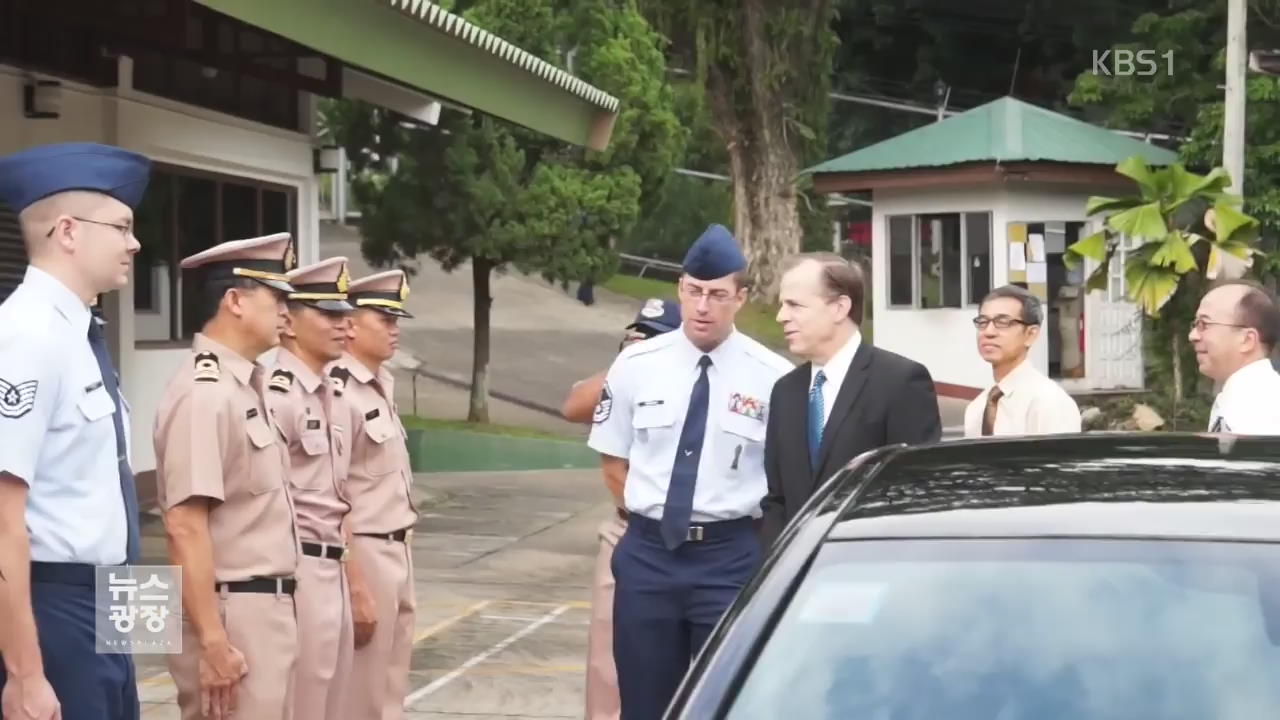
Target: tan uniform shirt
x=215 y=439
x=379 y=481
x=307 y=410
x=1031 y=404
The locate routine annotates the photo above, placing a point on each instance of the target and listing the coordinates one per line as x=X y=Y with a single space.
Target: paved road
x=503 y=563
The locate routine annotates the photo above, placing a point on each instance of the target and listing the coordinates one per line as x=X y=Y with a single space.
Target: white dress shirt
x=1249 y=403
x=642 y=411
x=56 y=429
x=1032 y=404
x=835 y=371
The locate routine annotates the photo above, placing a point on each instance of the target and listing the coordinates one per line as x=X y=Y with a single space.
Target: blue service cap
x=658 y=315
x=36 y=173
x=714 y=255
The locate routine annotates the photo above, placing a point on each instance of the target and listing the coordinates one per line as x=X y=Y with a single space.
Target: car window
x=1025 y=630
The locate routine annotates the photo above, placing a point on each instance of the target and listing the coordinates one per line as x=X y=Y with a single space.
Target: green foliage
x=1169 y=241
x=477 y=187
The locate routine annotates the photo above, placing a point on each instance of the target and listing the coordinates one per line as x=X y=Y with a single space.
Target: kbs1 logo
x=1127 y=63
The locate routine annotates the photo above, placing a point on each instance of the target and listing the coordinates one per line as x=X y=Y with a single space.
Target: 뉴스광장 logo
x=139 y=609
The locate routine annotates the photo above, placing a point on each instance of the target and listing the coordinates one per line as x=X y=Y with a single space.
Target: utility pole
x=1233 y=127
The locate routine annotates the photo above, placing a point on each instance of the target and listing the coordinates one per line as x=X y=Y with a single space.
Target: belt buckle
x=342 y=557
x=408 y=535
x=695 y=533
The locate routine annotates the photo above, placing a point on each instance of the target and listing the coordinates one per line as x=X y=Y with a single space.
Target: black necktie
x=678 y=510
x=109 y=380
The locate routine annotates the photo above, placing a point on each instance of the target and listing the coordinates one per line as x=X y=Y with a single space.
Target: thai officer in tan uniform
x=315 y=422
x=222 y=468
x=379 y=484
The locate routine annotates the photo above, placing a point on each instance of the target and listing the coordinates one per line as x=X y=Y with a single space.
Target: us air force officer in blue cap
x=687 y=410
x=67 y=499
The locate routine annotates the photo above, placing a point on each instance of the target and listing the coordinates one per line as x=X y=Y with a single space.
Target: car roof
x=1147 y=485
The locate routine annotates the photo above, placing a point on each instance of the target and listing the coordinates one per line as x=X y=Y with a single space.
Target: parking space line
x=476 y=660
x=450 y=621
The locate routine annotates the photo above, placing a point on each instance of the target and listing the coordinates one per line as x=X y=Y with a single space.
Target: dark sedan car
x=1090 y=577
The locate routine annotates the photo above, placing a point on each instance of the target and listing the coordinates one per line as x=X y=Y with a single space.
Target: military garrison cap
x=384 y=292
x=31 y=175
x=714 y=255
x=265 y=259
x=322 y=286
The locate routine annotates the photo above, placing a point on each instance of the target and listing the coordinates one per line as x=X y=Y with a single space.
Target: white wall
x=940 y=338
x=176 y=134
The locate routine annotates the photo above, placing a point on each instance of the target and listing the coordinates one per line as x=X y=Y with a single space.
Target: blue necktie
x=816 y=417
x=678 y=510
x=99 y=344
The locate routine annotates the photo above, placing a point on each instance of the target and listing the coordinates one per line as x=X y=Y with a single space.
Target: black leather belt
x=698 y=531
x=324 y=550
x=58 y=573
x=285 y=585
x=401 y=535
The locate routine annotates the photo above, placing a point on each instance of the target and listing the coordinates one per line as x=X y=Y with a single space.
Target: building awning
x=421 y=46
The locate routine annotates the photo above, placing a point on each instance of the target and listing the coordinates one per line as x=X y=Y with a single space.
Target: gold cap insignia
x=344 y=279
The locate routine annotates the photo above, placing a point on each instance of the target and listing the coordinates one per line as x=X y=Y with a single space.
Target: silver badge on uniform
x=18 y=399
x=604 y=408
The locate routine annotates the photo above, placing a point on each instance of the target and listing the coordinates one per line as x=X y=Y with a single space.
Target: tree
x=765 y=66
x=478 y=190
x=1183 y=229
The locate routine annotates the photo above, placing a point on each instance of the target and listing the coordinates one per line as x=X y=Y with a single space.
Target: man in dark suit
x=849 y=397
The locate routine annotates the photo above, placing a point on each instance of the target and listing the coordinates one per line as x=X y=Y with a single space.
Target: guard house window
x=939 y=260
x=185 y=212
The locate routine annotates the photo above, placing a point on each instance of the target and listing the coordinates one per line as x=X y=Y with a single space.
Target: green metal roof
x=1005 y=130
x=420 y=46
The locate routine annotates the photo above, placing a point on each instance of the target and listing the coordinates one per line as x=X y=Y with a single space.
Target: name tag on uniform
x=372 y=414
x=746 y=405
x=313 y=424
x=251 y=413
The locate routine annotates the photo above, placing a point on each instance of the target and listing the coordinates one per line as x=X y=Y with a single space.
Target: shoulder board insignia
x=281 y=381
x=208 y=369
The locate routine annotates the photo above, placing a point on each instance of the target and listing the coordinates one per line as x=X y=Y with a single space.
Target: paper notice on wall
x=1037 y=272
x=1035 y=248
x=1017 y=256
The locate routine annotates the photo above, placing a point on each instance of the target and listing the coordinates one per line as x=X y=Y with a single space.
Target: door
x=1113 y=331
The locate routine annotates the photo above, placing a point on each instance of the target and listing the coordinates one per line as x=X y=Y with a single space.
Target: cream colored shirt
x=1032 y=405
x=1249 y=403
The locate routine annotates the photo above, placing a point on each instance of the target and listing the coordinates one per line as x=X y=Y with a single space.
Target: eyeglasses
x=1200 y=325
x=1003 y=322
x=125 y=230
x=717 y=297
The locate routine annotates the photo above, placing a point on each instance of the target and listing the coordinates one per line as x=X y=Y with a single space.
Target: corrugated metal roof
x=451 y=24
x=1005 y=130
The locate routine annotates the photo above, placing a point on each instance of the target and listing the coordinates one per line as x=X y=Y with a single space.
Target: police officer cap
x=265 y=259
x=32 y=175
x=322 y=286
x=714 y=255
x=658 y=316
x=384 y=292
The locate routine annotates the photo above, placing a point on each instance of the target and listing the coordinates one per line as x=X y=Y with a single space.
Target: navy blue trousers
x=666 y=604
x=89 y=685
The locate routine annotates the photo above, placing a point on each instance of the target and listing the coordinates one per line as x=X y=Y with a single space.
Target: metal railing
x=646 y=263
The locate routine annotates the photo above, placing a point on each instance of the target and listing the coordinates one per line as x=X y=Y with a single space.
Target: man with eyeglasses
x=67 y=497
x=1022 y=401
x=1234 y=333
x=687 y=411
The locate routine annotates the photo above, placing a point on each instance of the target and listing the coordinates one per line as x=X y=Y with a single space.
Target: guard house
x=222 y=95
x=987 y=197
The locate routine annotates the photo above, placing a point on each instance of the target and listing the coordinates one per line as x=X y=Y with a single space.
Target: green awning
x=423 y=47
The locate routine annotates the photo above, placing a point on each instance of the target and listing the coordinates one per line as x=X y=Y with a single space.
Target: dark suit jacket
x=885 y=399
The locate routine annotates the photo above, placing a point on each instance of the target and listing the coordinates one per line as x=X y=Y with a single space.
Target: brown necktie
x=989 y=415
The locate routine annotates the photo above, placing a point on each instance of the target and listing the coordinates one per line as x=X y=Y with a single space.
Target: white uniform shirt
x=1249 y=403
x=642 y=410
x=56 y=429
x=835 y=371
x=1032 y=404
